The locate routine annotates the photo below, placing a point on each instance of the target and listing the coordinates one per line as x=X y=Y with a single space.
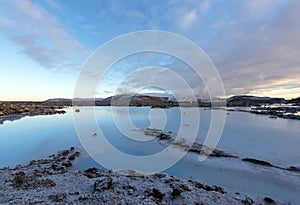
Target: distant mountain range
x=164 y=100
x=68 y=99
x=119 y=98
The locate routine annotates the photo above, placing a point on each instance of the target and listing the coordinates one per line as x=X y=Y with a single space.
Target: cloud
x=131 y=75
x=35 y=51
x=259 y=6
x=188 y=20
x=254 y=44
x=40 y=34
x=53 y=4
x=204 y=6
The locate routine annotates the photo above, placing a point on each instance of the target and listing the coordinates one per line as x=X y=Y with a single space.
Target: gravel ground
x=53 y=181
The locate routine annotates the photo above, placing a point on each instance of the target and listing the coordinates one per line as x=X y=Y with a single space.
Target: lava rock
x=103 y=183
x=259 y=162
x=60 y=197
x=156 y=193
x=269 y=200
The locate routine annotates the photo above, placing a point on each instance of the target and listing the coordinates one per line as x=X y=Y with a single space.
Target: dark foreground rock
x=52 y=181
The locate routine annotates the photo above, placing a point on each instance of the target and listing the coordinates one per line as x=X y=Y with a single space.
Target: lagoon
x=245 y=135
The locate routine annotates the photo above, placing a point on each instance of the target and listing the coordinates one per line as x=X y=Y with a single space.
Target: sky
x=253 y=44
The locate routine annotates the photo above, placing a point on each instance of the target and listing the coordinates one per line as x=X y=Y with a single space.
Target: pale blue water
x=257 y=136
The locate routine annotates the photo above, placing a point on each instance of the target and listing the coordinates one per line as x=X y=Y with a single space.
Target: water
x=245 y=134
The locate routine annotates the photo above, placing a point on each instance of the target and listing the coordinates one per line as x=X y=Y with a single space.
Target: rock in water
x=269 y=200
x=259 y=162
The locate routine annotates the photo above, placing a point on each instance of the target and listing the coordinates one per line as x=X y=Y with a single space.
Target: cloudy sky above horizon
x=253 y=44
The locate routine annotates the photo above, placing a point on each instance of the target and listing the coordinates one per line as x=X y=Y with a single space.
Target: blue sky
x=254 y=44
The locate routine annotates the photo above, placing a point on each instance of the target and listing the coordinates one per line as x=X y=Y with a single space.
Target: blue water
x=245 y=134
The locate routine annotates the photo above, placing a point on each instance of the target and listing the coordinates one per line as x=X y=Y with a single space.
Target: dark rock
x=198 y=148
x=77 y=154
x=152 y=132
x=163 y=136
x=58 y=197
x=294 y=169
x=93 y=173
x=103 y=183
x=128 y=186
x=38 y=174
x=23 y=181
x=72 y=157
x=83 y=198
x=67 y=164
x=184 y=187
x=19 y=179
x=159 y=175
x=199 y=185
x=74 y=193
x=55 y=167
x=273 y=117
x=269 y=200
x=259 y=162
x=156 y=193
x=47 y=183
x=215 y=188
x=65 y=152
x=248 y=201
x=219 y=153
x=176 y=192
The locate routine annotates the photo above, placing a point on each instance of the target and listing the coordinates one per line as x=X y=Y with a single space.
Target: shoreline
x=18 y=110
x=11 y=111
x=53 y=181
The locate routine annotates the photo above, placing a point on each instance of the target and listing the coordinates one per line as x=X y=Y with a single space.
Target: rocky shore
x=53 y=181
x=292 y=113
x=16 y=110
x=274 y=112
